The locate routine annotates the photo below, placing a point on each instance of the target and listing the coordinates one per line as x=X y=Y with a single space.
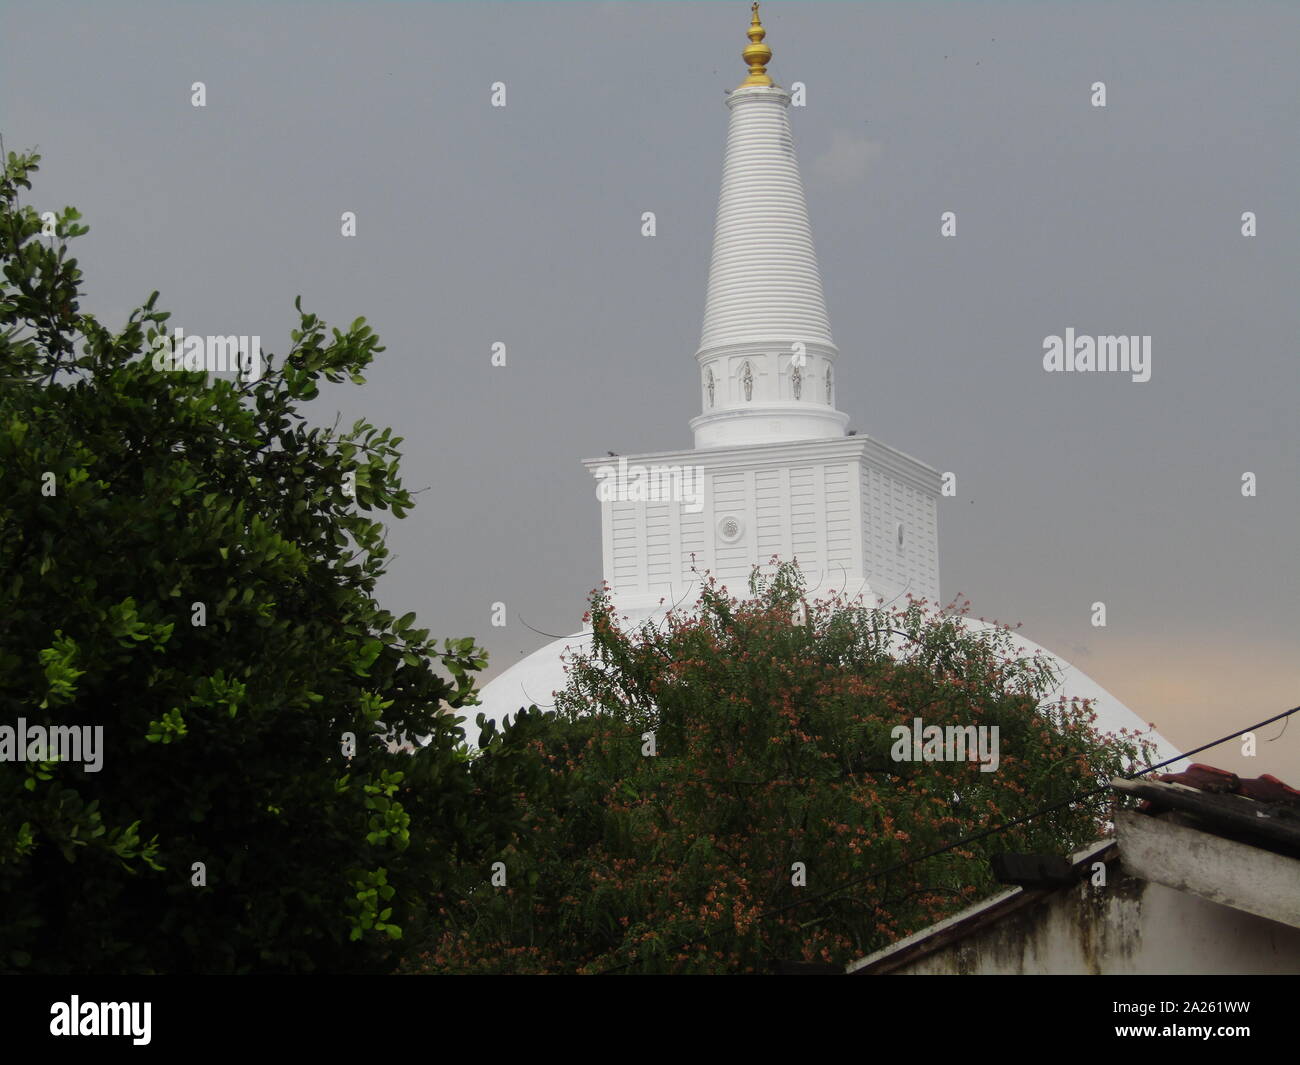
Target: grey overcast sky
x=522 y=225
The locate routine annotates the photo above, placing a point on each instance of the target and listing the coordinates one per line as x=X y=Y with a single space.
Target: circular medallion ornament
x=730 y=528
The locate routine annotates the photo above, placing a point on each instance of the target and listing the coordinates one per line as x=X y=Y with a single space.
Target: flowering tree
x=734 y=787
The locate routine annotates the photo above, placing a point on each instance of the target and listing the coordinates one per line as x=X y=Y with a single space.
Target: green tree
x=188 y=564
x=773 y=744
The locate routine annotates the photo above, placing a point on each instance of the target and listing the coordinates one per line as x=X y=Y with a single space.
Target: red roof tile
x=1208 y=778
x=1204 y=778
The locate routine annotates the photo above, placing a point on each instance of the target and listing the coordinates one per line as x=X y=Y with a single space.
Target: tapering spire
x=757 y=55
x=766 y=357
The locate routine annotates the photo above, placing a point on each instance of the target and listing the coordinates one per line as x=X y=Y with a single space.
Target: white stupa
x=772 y=472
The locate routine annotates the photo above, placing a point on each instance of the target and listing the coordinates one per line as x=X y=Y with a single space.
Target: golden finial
x=757 y=55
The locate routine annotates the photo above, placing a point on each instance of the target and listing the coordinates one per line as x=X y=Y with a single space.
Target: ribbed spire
x=766 y=354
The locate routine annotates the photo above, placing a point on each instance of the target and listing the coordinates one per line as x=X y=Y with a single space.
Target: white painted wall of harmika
x=858 y=516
